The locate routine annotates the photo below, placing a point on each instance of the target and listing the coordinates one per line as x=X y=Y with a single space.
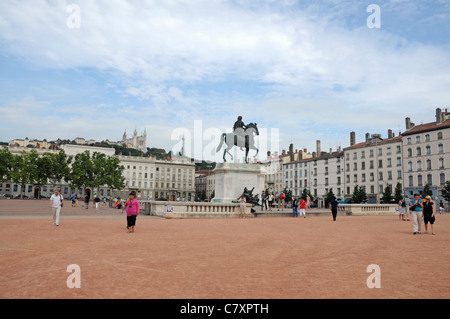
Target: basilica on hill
x=136 y=142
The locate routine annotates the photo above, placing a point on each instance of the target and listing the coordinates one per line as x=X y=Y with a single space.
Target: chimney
x=438 y=116
x=318 y=150
x=291 y=152
x=314 y=154
x=305 y=150
x=390 y=134
x=283 y=153
x=352 y=138
x=268 y=154
x=408 y=123
x=367 y=137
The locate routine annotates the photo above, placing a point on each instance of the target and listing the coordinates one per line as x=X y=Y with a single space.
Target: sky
x=302 y=70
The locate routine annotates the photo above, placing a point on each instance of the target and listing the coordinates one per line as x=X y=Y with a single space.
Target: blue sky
x=311 y=69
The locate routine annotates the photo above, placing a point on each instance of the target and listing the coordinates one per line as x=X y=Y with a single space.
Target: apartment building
x=427 y=155
x=373 y=164
x=318 y=174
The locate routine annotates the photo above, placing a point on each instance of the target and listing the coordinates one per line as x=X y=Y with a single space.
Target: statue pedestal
x=232 y=178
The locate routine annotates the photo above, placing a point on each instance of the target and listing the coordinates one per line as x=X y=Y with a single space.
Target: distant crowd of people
x=421 y=211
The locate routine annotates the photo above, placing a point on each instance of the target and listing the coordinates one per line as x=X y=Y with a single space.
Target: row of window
x=427 y=138
x=156 y=175
x=372 y=153
x=146 y=185
x=428 y=165
x=427 y=150
x=429 y=180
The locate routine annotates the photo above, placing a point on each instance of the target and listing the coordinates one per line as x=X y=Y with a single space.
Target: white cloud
x=183 y=59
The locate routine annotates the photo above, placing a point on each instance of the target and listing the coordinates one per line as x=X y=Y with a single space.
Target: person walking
x=405 y=210
x=308 y=201
x=416 y=213
x=242 y=205
x=73 y=199
x=334 y=208
x=132 y=209
x=428 y=214
x=295 y=207
x=302 y=207
x=56 y=202
x=441 y=208
x=97 y=202
x=264 y=199
x=86 y=201
x=400 y=209
x=270 y=201
x=281 y=201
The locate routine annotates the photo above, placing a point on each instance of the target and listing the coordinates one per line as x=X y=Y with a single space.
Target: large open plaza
x=252 y=258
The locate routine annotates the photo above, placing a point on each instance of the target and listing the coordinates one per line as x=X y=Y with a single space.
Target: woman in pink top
x=132 y=208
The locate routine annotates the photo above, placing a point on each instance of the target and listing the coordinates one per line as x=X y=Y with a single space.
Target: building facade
x=151 y=178
x=373 y=165
x=275 y=170
x=318 y=174
x=427 y=155
x=159 y=179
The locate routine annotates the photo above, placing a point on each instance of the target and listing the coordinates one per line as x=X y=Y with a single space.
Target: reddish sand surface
x=252 y=258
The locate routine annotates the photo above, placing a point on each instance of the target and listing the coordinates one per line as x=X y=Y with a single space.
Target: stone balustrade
x=170 y=209
x=368 y=209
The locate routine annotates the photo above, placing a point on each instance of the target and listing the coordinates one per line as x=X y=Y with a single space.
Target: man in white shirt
x=56 y=202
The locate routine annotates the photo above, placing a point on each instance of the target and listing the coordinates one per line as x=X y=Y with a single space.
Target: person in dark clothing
x=334 y=207
x=428 y=214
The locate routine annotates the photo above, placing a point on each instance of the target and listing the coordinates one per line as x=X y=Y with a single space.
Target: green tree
x=82 y=173
x=426 y=191
x=100 y=173
x=56 y=167
x=387 y=195
x=6 y=164
x=446 y=191
x=287 y=195
x=398 y=192
x=24 y=169
x=359 y=195
x=114 y=173
x=329 y=196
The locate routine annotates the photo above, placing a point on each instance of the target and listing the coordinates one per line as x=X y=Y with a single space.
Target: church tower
x=124 y=138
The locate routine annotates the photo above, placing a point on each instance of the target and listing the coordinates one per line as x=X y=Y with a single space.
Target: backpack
x=282 y=195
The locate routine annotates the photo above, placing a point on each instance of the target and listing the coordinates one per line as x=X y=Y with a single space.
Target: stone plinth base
x=232 y=178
